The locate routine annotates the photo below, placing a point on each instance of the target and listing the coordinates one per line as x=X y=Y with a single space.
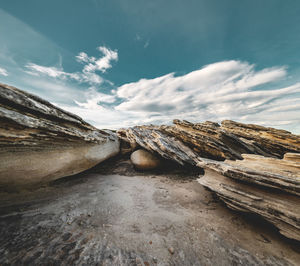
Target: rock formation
x=144 y=160
x=153 y=139
x=267 y=187
x=40 y=142
x=185 y=142
x=259 y=181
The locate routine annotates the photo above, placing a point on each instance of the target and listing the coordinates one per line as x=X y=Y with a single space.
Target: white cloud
x=101 y=117
x=95 y=100
x=82 y=57
x=3 y=72
x=51 y=90
x=58 y=73
x=222 y=85
x=52 y=72
x=225 y=90
x=93 y=64
x=88 y=75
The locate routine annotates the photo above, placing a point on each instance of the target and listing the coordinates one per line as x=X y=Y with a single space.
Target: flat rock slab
x=148 y=219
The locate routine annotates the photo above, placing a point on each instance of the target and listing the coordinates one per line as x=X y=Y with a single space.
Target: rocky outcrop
x=254 y=178
x=263 y=171
x=144 y=160
x=153 y=139
x=40 y=142
x=264 y=186
x=185 y=142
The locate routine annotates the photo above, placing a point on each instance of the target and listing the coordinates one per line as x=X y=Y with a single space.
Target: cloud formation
x=224 y=90
x=87 y=75
x=3 y=72
x=52 y=72
x=95 y=99
x=223 y=85
x=93 y=64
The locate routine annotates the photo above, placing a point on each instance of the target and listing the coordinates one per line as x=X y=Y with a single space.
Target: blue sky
x=119 y=62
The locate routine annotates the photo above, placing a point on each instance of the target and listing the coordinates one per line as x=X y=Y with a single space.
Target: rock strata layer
x=185 y=142
x=40 y=142
x=267 y=187
x=261 y=172
x=152 y=138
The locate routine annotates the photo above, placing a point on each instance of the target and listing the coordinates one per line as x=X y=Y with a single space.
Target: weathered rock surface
x=40 y=142
x=144 y=160
x=153 y=139
x=185 y=142
x=265 y=186
x=109 y=216
x=262 y=183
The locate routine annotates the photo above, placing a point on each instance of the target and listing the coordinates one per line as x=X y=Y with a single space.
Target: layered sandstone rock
x=254 y=178
x=267 y=187
x=40 y=142
x=185 y=142
x=153 y=139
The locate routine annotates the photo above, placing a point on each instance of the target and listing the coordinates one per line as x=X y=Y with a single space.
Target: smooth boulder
x=144 y=160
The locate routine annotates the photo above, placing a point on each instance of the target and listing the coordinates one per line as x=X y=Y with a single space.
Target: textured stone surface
x=185 y=142
x=153 y=139
x=40 y=142
x=264 y=140
x=292 y=157
x=259 y=182
x=280 y=174
x=265 y=186
x=98 y=218
x=144 y=160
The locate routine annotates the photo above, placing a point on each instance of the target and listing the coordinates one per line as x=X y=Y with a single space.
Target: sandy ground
x=113 y=215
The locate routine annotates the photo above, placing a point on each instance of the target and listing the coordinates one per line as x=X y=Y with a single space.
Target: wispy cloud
x=3 y=72
x=221 y=83
x=224 y=90
x=145 y=42
x=52 y=72
x=95 y=99
x=87 y=75
x=93 y=64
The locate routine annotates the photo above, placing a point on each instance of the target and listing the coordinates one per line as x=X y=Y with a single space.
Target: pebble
x=171 y=250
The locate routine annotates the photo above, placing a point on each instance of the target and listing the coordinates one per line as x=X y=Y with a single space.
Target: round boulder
x=144 y=160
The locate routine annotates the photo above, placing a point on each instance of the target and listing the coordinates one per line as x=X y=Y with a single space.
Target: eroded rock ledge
x=185 y=142
x=40 y=142
x=254 y=178
x=265 y=186
x=251 y=168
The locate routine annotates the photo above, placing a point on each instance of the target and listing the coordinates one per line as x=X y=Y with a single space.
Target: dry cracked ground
x=114 y=215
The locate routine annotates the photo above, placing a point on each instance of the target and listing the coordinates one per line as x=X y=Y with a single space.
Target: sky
x=119 y=63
